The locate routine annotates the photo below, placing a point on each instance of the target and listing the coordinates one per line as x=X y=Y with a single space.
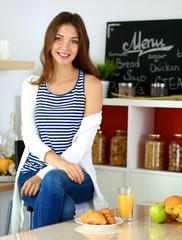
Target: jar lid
x=123 y=84
x=118 y=130
x=154 y=85
x=177 y=135
x=155 y=135
x=100 y=131
x=162 y=85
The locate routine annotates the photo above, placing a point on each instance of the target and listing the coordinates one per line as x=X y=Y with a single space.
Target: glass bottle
x=175 y=153
x=99 y=148
x=154 y=152
x=118 y=151
x=11 y=137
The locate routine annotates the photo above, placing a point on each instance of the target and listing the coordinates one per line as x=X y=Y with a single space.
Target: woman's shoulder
x=92 y=81
x=93 y=88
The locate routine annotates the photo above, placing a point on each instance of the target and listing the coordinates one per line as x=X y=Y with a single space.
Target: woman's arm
x=93 y=94
x=30 y=132
x=92 y=119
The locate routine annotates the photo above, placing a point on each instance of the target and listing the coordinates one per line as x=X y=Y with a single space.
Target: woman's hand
x=31 y=186
x=73 y=170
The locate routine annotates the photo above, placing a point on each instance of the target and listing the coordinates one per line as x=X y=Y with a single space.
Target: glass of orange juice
x=125 y=202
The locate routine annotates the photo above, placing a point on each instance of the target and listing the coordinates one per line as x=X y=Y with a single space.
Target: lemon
x=4 y=164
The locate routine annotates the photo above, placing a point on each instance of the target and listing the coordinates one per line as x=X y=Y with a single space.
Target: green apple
x=157 y=212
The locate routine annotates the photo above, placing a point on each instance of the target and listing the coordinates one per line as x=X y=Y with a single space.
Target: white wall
x=24 y=23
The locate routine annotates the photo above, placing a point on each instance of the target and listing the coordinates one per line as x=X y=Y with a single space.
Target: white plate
x=118 y=221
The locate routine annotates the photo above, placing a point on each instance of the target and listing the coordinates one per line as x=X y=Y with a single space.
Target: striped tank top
x=58 y=118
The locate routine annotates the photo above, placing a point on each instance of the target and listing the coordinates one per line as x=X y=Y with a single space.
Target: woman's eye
x=58 y=39
x=74 y=41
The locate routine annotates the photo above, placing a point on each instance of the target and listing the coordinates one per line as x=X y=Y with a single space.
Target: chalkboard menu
x=146 y=52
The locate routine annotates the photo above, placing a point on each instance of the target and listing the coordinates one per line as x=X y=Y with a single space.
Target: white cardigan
x=79 y=153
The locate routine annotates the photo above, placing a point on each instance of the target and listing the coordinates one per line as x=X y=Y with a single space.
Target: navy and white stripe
x=58 y=117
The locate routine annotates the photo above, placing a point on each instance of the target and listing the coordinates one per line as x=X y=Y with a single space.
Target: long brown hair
x=82 y=60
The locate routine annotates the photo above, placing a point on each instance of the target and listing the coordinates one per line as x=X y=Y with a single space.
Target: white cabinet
x=148 y=184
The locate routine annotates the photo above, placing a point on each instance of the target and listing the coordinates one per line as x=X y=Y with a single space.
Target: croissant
x=108 y=214
x=93 y=217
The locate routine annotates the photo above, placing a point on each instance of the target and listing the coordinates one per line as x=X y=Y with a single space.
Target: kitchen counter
x=141 y=228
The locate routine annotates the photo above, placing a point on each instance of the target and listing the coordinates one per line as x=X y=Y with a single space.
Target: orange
x=4 y=164
x=173 y=200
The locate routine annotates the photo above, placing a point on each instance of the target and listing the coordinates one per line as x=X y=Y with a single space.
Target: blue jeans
x=56 y=199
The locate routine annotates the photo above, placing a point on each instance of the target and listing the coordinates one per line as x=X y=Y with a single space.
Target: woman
x=61 y=112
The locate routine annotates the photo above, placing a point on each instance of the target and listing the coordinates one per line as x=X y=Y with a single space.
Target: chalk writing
x=144 y=46
x=171 y=82
x=146 y=52
x=163 y=68
x=129 y=77
x=131 y=64
x=179 y=54
x=156 y=57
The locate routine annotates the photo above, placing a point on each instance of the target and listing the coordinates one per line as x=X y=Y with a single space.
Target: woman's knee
x=54 y=180
x=54 y=176
x=68 y=210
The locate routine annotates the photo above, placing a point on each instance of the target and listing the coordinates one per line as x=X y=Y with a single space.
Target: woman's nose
x=65 y=44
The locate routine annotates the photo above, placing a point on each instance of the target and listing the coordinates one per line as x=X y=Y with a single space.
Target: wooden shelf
x=6 y=186
x=16 y=65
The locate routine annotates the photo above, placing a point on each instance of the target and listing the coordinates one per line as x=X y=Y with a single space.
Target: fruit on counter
x=176 y=211
x=4 y=164
x=172 y=200
x=7 y=165
x=169 y=208
x=12 y=169
x=158 y=213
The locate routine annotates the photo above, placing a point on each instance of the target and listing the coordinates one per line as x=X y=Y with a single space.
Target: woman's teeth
x=63 y=55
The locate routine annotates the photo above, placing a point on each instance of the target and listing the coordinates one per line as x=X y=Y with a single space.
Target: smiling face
x=66 y=44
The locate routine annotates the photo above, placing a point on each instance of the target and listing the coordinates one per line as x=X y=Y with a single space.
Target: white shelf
x=108 y=167
x=142 y=103
x=137 y=170
x=156 y=172
x=148 y=184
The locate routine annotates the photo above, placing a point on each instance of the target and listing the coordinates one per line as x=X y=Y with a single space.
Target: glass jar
x=126 y=89
x=175 y=153
x=154 y=152
x=99 y=148
x=153 y=90
x=158 y=90
x=118 y=153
